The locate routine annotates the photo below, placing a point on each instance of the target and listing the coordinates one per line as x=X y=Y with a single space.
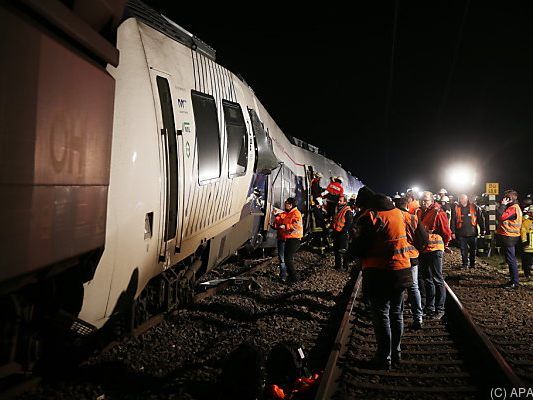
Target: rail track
x=449 y=358
x=502 y=314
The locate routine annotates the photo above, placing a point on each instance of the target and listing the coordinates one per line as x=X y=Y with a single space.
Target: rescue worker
x=412 y=202
x=399 y=200
x=279 y=217
x=466 y=217
x=291 y=230
x=341 y=226
x=382 y=244
x=526 y=234
x=418 y=237
x=435 y=221
x=352 y=202
x=319 y=234
x=444 y=202
x=332 y=194
x=316 y=189
x=443 y=192
x=509 y=217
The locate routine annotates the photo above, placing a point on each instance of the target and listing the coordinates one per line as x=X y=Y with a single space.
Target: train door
x=170 y=224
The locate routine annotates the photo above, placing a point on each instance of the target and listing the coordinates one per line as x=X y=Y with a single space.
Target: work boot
x=511 y=285
x=378 y=364
x=396 y=360
x=438 y=315
x=416 y=325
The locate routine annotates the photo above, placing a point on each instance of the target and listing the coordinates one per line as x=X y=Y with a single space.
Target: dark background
x=323 y=72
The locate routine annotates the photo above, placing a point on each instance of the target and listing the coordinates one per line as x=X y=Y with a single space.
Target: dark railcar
x=56 y=119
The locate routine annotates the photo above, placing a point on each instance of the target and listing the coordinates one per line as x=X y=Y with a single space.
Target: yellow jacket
x=526 y=233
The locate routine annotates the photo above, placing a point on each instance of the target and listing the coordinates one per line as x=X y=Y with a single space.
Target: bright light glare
x=461 y=177
x=415 y=189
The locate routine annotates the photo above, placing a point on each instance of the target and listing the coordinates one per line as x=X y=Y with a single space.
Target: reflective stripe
x=435 y=243
x=406 y=249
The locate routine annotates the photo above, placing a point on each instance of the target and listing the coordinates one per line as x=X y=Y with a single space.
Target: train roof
x=166 y=26
x=313 y=149
x=306 y=146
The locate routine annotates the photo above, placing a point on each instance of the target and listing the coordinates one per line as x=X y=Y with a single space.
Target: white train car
x=190 y=142
x=190 y=139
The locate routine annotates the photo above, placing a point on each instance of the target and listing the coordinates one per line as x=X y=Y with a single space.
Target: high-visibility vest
x=527 y=235
x=390 y=249
x=511 y=227
x=411 y=223
x=335 y=188
x=429 y=219
x=340 y=218
x=459 y=215
x=293 y=225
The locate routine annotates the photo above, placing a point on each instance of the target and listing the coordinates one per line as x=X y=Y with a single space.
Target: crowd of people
x=399 y=243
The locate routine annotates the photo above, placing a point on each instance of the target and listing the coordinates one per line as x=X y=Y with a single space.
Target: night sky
x=458 y=94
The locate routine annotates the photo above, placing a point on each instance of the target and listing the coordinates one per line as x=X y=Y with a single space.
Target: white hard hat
x=338 y=178
x=443 y=191
x=528 y=209
x=318 y=174
x=445 y=199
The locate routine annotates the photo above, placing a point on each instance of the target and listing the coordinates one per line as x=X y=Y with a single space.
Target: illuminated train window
x=237 y=139
x=207 y=136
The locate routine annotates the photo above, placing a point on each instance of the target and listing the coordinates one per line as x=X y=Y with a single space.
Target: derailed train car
x=190 y=142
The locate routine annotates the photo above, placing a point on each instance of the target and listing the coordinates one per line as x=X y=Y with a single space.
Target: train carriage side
x=56 y=114
x=182 y=164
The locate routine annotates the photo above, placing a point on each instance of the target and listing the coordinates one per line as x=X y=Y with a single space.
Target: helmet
x=318 y=175
x=528 y=209
x=338 y=179
x=445 y=199
x=397 y=196
x=443 y=191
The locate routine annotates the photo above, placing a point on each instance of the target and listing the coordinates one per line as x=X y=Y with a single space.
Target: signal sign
x=492 y=188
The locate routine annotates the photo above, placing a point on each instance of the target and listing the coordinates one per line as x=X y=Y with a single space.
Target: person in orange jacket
x=382 y=244
x=290 y=229
x=435 y=220
x=412 y=202
x=341 y=226
x=332 y=194
x=509 y=216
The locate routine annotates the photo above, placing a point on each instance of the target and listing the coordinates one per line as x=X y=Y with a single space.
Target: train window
x=207 y=136
x=237 y=139
x=277 y=188
x=172 y=157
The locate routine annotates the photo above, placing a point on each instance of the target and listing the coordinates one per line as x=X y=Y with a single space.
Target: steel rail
x=501 y=373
